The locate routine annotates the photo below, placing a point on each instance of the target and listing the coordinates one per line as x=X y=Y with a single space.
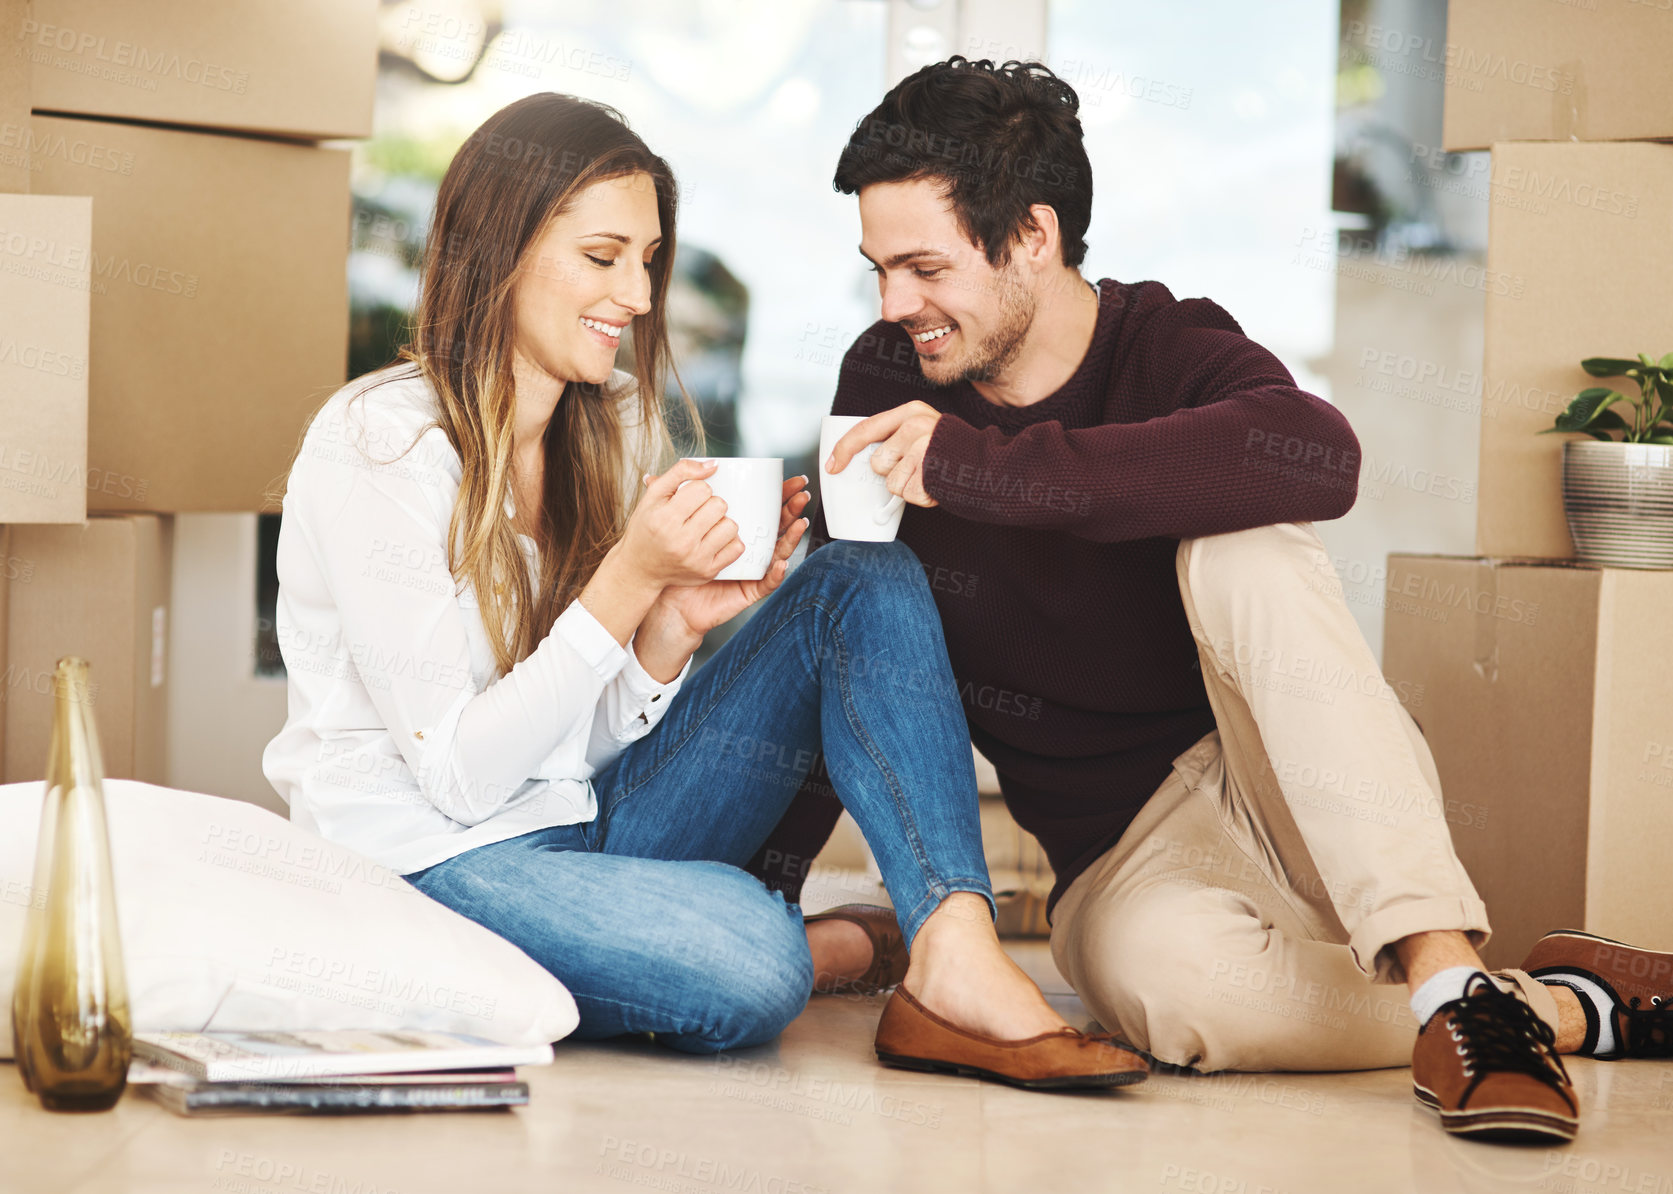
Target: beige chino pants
x=1246 y=917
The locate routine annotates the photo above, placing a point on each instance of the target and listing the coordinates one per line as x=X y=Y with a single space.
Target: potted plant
x=1618 y=486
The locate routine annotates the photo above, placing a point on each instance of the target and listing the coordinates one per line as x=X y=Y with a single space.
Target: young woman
x=488 y=606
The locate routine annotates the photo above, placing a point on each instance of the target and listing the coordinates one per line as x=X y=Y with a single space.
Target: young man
x=1111 y=491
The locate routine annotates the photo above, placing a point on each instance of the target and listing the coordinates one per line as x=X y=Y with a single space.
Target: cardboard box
x=1556 y=72
x=46 y=259
x=1546 y=698
x=305 y=69
x=219 y=306
x=1579 y=264
x=15 y=74
x=99 y=590
x=5 y=603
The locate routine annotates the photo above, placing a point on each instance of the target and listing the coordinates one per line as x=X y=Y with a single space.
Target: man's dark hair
x=1001 y=139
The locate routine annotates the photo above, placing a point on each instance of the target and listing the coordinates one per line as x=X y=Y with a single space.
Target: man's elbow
x=1337 y=481
x=1336 y=497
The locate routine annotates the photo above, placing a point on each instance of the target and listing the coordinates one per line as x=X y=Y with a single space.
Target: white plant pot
x=1619 y=502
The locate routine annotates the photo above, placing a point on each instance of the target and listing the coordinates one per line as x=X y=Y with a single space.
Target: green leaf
x=1664 y=387
x=1607 y=366
x=1602 y=435
x=1608 y=420
x=1586 y=406
x=1666 y=363
x=1660 y=439
x=1646 y=360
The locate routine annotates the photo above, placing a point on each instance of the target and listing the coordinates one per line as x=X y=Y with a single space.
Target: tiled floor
x=815 y=1112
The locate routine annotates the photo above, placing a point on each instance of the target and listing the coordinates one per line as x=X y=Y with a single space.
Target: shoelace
x=1497 y=1033
x=1649 y=1029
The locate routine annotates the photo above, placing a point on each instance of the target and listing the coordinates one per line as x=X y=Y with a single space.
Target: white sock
x=1441 y=988
x=1587 y=990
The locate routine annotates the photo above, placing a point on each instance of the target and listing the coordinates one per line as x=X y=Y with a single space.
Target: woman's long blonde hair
x=523 y=167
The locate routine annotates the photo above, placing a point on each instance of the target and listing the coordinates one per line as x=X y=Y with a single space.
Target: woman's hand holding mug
x=679 y=534
x=694 y=610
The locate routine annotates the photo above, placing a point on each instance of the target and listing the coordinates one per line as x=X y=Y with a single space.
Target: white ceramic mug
x=857 y=501
x=753 y=489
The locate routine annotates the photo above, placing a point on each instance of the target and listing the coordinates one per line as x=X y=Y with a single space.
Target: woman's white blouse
x=402 y=740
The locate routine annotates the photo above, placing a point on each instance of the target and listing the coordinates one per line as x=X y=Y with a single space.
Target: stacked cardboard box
x=98 y=589
x=1546 y=705
x=173 y=306
x=1579 y=264
x=1545 y=691
x=1556 y=72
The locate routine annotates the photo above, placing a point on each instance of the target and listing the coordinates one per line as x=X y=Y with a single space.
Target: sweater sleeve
x=1237 y=446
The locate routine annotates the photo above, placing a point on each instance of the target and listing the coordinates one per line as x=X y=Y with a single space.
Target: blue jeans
x=644 y=913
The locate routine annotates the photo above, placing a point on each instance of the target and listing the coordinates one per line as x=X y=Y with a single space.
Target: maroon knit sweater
x=1051 y=554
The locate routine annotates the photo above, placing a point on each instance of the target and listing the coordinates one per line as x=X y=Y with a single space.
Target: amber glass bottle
x=70 y=1006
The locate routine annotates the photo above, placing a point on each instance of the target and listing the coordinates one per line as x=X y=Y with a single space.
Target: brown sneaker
x=1634 y=987
x=1488 y=1064
x=888 y=948
x=911 y=1037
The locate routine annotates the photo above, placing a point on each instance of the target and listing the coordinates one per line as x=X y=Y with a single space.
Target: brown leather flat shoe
x=888 y=947
x=911 y=1037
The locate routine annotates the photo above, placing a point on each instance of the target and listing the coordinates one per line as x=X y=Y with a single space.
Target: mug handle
x=889 y=511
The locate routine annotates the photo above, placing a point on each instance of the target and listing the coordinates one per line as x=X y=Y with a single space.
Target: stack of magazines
x=198 y=1073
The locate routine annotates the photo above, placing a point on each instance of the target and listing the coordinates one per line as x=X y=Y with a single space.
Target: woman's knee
x=753 y=968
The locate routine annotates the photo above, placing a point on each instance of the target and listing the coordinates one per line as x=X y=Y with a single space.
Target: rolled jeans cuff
x=912 y=919
x=1372 y=942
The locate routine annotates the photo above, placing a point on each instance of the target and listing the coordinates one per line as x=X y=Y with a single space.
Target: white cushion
x=232 y=918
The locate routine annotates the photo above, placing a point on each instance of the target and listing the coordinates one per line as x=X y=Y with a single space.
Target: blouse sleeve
x=380 y=533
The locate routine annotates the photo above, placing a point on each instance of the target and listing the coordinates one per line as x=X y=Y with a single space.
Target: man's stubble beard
x=998 y=350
